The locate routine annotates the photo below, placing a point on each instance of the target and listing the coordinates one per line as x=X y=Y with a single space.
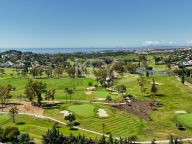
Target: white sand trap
x=101 y=99
x=114 y=93
x=102 y=113
x=65 y=112
x=91 y=88
x=180 y=112
x=157 y=83
x=88 y=92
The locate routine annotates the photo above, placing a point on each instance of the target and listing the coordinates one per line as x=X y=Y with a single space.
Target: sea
x=66 y=50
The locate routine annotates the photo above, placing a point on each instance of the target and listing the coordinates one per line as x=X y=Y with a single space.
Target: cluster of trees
x=35 y=89
x=183 y=72
x=54 y=136
x=4 y=94
x=13 y=135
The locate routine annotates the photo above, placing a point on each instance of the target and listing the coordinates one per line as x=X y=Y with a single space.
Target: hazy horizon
x=94 y=24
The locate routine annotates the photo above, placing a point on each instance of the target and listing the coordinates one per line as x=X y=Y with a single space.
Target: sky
x=94 y=23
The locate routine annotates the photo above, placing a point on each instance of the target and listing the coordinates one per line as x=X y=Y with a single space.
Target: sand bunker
x=91 y=88
x=114 y=93
x=88 y=92
x=102 y=113
x=157 y=83
x=65 y=112
x=180 y=112
x=101 y=99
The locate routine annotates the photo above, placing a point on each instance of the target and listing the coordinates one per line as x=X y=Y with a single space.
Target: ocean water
x=65 y=50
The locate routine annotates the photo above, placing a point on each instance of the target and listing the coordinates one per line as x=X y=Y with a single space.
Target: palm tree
x=66 y=93
x=153 y=89
x=70 y=92
x=13 y=111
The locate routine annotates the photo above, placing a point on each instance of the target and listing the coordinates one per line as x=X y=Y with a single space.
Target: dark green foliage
x=9 y=134
x=53 y=136
x=24 y=139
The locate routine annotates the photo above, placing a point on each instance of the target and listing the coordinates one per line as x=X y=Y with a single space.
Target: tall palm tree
x=13 y=111
x=66 y=93
x=70 y=92
x=153 y=89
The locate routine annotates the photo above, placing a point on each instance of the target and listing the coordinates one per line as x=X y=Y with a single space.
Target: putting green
x=85 y=110
x=185 y=119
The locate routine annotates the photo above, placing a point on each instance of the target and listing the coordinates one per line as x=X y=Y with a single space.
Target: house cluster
x=8 y=64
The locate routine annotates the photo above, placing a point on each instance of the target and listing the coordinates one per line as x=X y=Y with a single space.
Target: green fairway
x=85 y=110
x=185 y=119
x=118 y=123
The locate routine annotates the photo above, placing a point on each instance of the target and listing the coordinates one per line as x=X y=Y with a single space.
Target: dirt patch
x=102 y=113
x=140 y=108
x=24 y=107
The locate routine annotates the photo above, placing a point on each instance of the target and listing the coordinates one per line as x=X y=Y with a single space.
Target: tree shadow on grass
x=20 y=123
x=182 y=129
x=159 y=95
x=51 y=106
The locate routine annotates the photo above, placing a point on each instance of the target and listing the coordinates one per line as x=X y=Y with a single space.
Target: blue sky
x=94 y=23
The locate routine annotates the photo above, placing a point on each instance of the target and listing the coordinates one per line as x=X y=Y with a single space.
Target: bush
x=76 y=123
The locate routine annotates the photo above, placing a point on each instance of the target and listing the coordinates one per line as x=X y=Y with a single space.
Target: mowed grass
x=78 y=84
x=171 y=93
x=84 y=110
x=36 y=127
x=119 y=123
x=185 y=119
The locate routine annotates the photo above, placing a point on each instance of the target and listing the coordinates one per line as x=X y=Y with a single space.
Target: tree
x=153 y=89
x=59 y=70
x=71 y=71
x=53 y=136
x=108 y=98
x=121 y=89
x=34 y=72
x=50 y=94
x=119 y=67
x=13 y=112
x=71 y=118
x=69 y=92
x=49 y=71
x=35 y=89
x=101 y=75
x=4 y=94
x=9 y=134
x=24 y=138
